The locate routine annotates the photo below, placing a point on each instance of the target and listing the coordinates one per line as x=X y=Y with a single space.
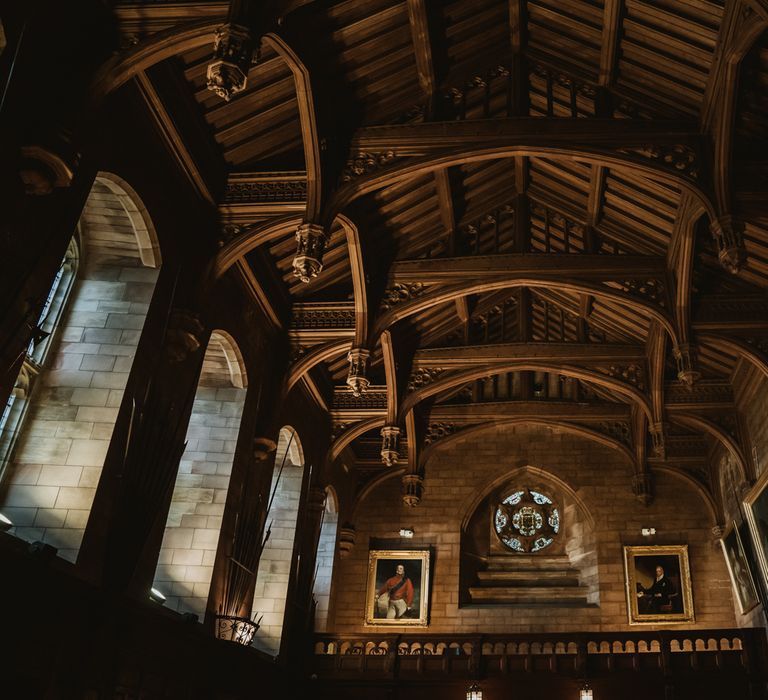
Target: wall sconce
x=586 y=692
x=5 y=523
x=406 y=532
x=157 y=596
x=474 y=692
x=240 y=630
x=648 y=531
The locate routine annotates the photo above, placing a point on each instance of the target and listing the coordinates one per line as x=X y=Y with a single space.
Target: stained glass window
x=527 y=521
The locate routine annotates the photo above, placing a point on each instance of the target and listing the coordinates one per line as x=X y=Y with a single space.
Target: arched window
x=72 y=381
x=326 y=548
x=187 y=554
x=275 y=564
x=527 y=520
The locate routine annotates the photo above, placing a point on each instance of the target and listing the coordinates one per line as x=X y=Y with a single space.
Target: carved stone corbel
x=183 y=336
x=310 y=246
x=413 y=488
x=728 y=233
x=642 y=487
x=717 y=533
x=232 y=58
x=357 y=377
x=684 y=356
x=263 y=447
x=42 y=169
x=347 y=534
x=390 y=445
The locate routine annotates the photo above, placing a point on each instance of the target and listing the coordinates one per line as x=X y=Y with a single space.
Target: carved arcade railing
x=394 y=655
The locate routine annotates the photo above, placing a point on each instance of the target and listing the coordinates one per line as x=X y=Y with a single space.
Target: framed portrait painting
x=741 y=579
x=398 y=587
x=658 y=580
x=756 y=507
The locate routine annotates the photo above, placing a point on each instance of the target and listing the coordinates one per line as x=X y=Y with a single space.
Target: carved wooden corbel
x=311 y=240
x=357 y=378
x=390 y=445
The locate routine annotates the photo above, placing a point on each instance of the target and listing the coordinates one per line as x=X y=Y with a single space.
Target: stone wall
x=326 y=548
x=54 y=469
x=600 y=477
x=275 y=565
x=191 y=536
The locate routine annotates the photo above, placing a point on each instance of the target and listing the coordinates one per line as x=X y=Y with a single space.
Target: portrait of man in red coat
x=395 y=597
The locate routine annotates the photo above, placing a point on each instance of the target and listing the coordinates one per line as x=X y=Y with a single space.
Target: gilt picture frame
x=658 y=584
x=397 y=592
x=744 y=589
x=756 y=510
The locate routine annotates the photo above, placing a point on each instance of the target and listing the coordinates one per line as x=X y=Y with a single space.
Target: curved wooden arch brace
x=250 y=240
x=418 y=166
x=724 y=128
x=454 y=379
x=706 y=426
x=359 y=287
x=469 y=507
x=414 y=461
x=572 y=428
x=390 y=373
x=150 y=51
x=308 y=119
x=351 y=433
x=567 y=285
x=321 y=353
x=656 y=349
x=747 y=351
x=706 y=496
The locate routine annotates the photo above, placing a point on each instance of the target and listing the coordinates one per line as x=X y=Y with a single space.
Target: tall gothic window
x=326 y=550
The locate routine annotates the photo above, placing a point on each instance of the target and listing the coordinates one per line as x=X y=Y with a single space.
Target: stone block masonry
x=601 y=478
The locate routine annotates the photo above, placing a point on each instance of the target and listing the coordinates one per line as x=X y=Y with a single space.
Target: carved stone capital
x=310 y=246
x=642 y=487
x=717 y=532
x=43 y=169
x=684 y=356
x=390 y=445
x=263 y=447
x=728 y=233
x=658 y=440
x=347 y=534
x=316 y=500
x=413 y=488
x=183 y=336
x=357 y=377
x=232 y=58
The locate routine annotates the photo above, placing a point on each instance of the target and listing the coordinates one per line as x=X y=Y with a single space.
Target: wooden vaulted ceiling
x=410 y=62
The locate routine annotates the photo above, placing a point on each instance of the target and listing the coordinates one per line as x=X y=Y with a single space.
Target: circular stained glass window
x=527 y=521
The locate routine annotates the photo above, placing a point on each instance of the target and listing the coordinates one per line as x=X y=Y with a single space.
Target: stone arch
x=490 y=571
x=191 y=537
x=277 y=558
x=76 y=388
x=324 y=563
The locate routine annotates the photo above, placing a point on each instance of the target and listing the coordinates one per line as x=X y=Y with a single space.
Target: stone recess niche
x=529 y=542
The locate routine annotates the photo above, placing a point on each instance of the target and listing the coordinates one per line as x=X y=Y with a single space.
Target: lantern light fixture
x=474 y=692
x=586 y=692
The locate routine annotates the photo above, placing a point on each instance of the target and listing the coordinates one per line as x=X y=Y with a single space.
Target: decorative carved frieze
x=715 y=311
x=357 y=376
x=680 y=158
x=390 y=445
x=703 y=392
x=653 y=290
x=413 y=488
x=728 y=233
x=618 y=430
x=366 y=163
x=322 y=317
x=400 y=292
x=266 y=188
x=632 y=373
x=556 y=77
x=423 y=376
x=373 y=399
x=233 y=54
x=438 y=431
x=311 y=240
